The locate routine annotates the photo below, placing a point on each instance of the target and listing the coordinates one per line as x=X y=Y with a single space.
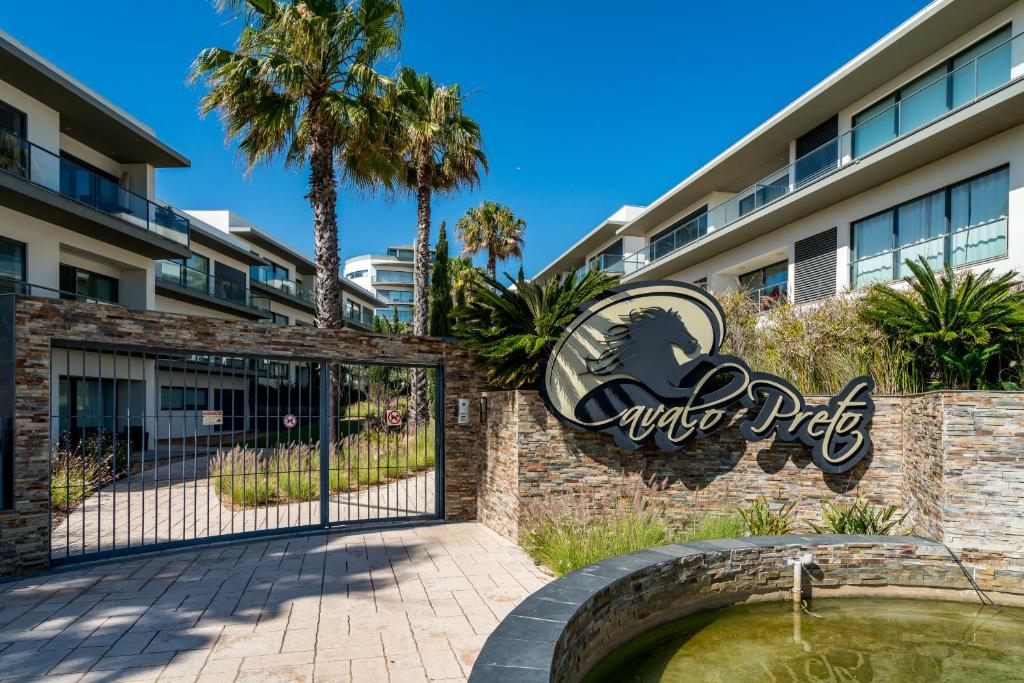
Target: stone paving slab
x=403 y=604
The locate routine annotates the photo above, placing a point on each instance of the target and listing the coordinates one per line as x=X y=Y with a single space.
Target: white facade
x=389 y=276
x=79 y=219
x=914 y=148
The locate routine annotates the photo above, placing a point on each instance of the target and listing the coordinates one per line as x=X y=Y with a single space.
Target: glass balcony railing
x=363 y=317
x=769 y=296
x=204 y=283
x=958 y=88
x=41 y=167
x=299 y=290
x=392 y=277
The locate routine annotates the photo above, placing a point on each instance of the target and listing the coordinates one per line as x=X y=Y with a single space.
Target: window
x=268 y=273
x=12 y=266
x=403 y=296
x=278 y=319
x=356 y=274
x=610 y=258
x=977 y=70
x=401 y=254
x=767 y=285
x=13 y=149
x=765 y=192
x=404 y=315
x=682 y=232
x=229 y=283
x=76 y=283
x=183 y=398
x=961 y=224
x=384 y=275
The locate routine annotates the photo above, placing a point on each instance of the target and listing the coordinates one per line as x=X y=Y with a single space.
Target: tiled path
x=180 y=502
x=407 y=604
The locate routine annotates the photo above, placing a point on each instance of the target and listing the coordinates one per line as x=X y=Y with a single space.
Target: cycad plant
x=859 y=517
x=514 y=330
x=953 y=324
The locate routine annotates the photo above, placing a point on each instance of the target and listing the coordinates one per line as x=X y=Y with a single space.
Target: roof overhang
x=303 y=266
x=212 y=240
x=766 y=148
x=84 y=115
x=571 y=257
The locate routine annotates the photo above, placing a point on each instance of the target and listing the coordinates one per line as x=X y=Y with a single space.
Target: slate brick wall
x=953 y=460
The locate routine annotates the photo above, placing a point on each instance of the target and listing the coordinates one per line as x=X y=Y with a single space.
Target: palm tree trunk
x=420 y=411
x=323 y=198
x=492 y=265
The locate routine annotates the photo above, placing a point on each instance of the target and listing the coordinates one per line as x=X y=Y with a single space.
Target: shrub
x=514 y=330
x=953 y=325
x=859 y=517
x=761 y=520
x=711 y=525
x=80 y=468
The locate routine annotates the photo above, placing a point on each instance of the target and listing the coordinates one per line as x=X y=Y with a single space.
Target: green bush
x=760 y=519
x=859 y=517
x=710 y=526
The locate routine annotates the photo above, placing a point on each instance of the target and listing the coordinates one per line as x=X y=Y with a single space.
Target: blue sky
x=585 y=105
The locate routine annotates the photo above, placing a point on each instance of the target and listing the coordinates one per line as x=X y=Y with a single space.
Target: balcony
x=983 y=76
x=394 y=277
x=769 y=296
x=180 y=281
x=363 y=318
x=9 y=285
x=165 y=232
x=293 y=291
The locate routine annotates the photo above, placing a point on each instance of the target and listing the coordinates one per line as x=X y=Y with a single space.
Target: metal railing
x=9 y=285
x=29 y=161
x=204 y=283
x=293 y=288
x=770 y=295
x=962 y=86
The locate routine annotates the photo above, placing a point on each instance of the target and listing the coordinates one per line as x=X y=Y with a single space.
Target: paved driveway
x=409 y=604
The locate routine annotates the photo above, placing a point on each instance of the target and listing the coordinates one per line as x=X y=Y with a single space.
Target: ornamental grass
x=246 y=477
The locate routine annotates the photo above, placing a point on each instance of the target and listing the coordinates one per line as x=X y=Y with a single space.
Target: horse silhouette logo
x=642 y=362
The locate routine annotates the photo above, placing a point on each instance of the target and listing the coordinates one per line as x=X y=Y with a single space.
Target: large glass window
x=401 y=296
x=384 y=275
x=767 y=285
x=977 y=70
x=229 y=283
x=12 y=266
x=184 y=398
x=13 y=150
x=76 y=283
x=961 y=224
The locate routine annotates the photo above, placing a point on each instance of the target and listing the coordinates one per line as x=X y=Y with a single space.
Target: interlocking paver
x=401 y=604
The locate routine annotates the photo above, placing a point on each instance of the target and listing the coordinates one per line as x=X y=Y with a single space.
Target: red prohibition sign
x=393 y=418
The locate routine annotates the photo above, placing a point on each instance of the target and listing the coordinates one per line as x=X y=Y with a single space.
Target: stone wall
x=25 y=530
x=567 y=627
x=953 y=460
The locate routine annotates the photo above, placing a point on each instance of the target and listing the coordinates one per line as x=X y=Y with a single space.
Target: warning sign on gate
x=393 y=418
x=290 y=421
x=213 y=417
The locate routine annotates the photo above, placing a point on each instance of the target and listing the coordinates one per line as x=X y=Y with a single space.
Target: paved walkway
x=409 y=604
x=180 y=502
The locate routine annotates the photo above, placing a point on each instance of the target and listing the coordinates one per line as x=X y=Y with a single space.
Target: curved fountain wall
x=563 y=630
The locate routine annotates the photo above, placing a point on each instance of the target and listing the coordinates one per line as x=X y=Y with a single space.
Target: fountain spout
x=798 y=564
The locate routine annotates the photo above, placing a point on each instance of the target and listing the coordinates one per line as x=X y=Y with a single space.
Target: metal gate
x=160 y=449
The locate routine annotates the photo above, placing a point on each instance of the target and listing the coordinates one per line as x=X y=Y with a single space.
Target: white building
x=389 y=276
x=914 y=148
x=80 y=219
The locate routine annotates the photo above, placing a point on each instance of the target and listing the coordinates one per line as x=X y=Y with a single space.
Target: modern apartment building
x=915 y=148
x=389 y=276
x=80 y=218
x=281 y=278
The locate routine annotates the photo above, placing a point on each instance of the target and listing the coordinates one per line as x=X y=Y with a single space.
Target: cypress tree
x=441 y=290
x=521 y=277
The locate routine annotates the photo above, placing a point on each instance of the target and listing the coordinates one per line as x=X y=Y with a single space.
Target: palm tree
x=442 y=151
x=441 y=147
x=493 y=228
x=301 y=83
x=463 y=274
x=954 y=325
x=514 y=330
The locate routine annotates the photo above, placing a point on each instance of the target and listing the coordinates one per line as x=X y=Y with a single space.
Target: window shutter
x=814 y=273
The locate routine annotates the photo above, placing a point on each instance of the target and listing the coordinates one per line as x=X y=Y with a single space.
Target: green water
x=849 y=640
